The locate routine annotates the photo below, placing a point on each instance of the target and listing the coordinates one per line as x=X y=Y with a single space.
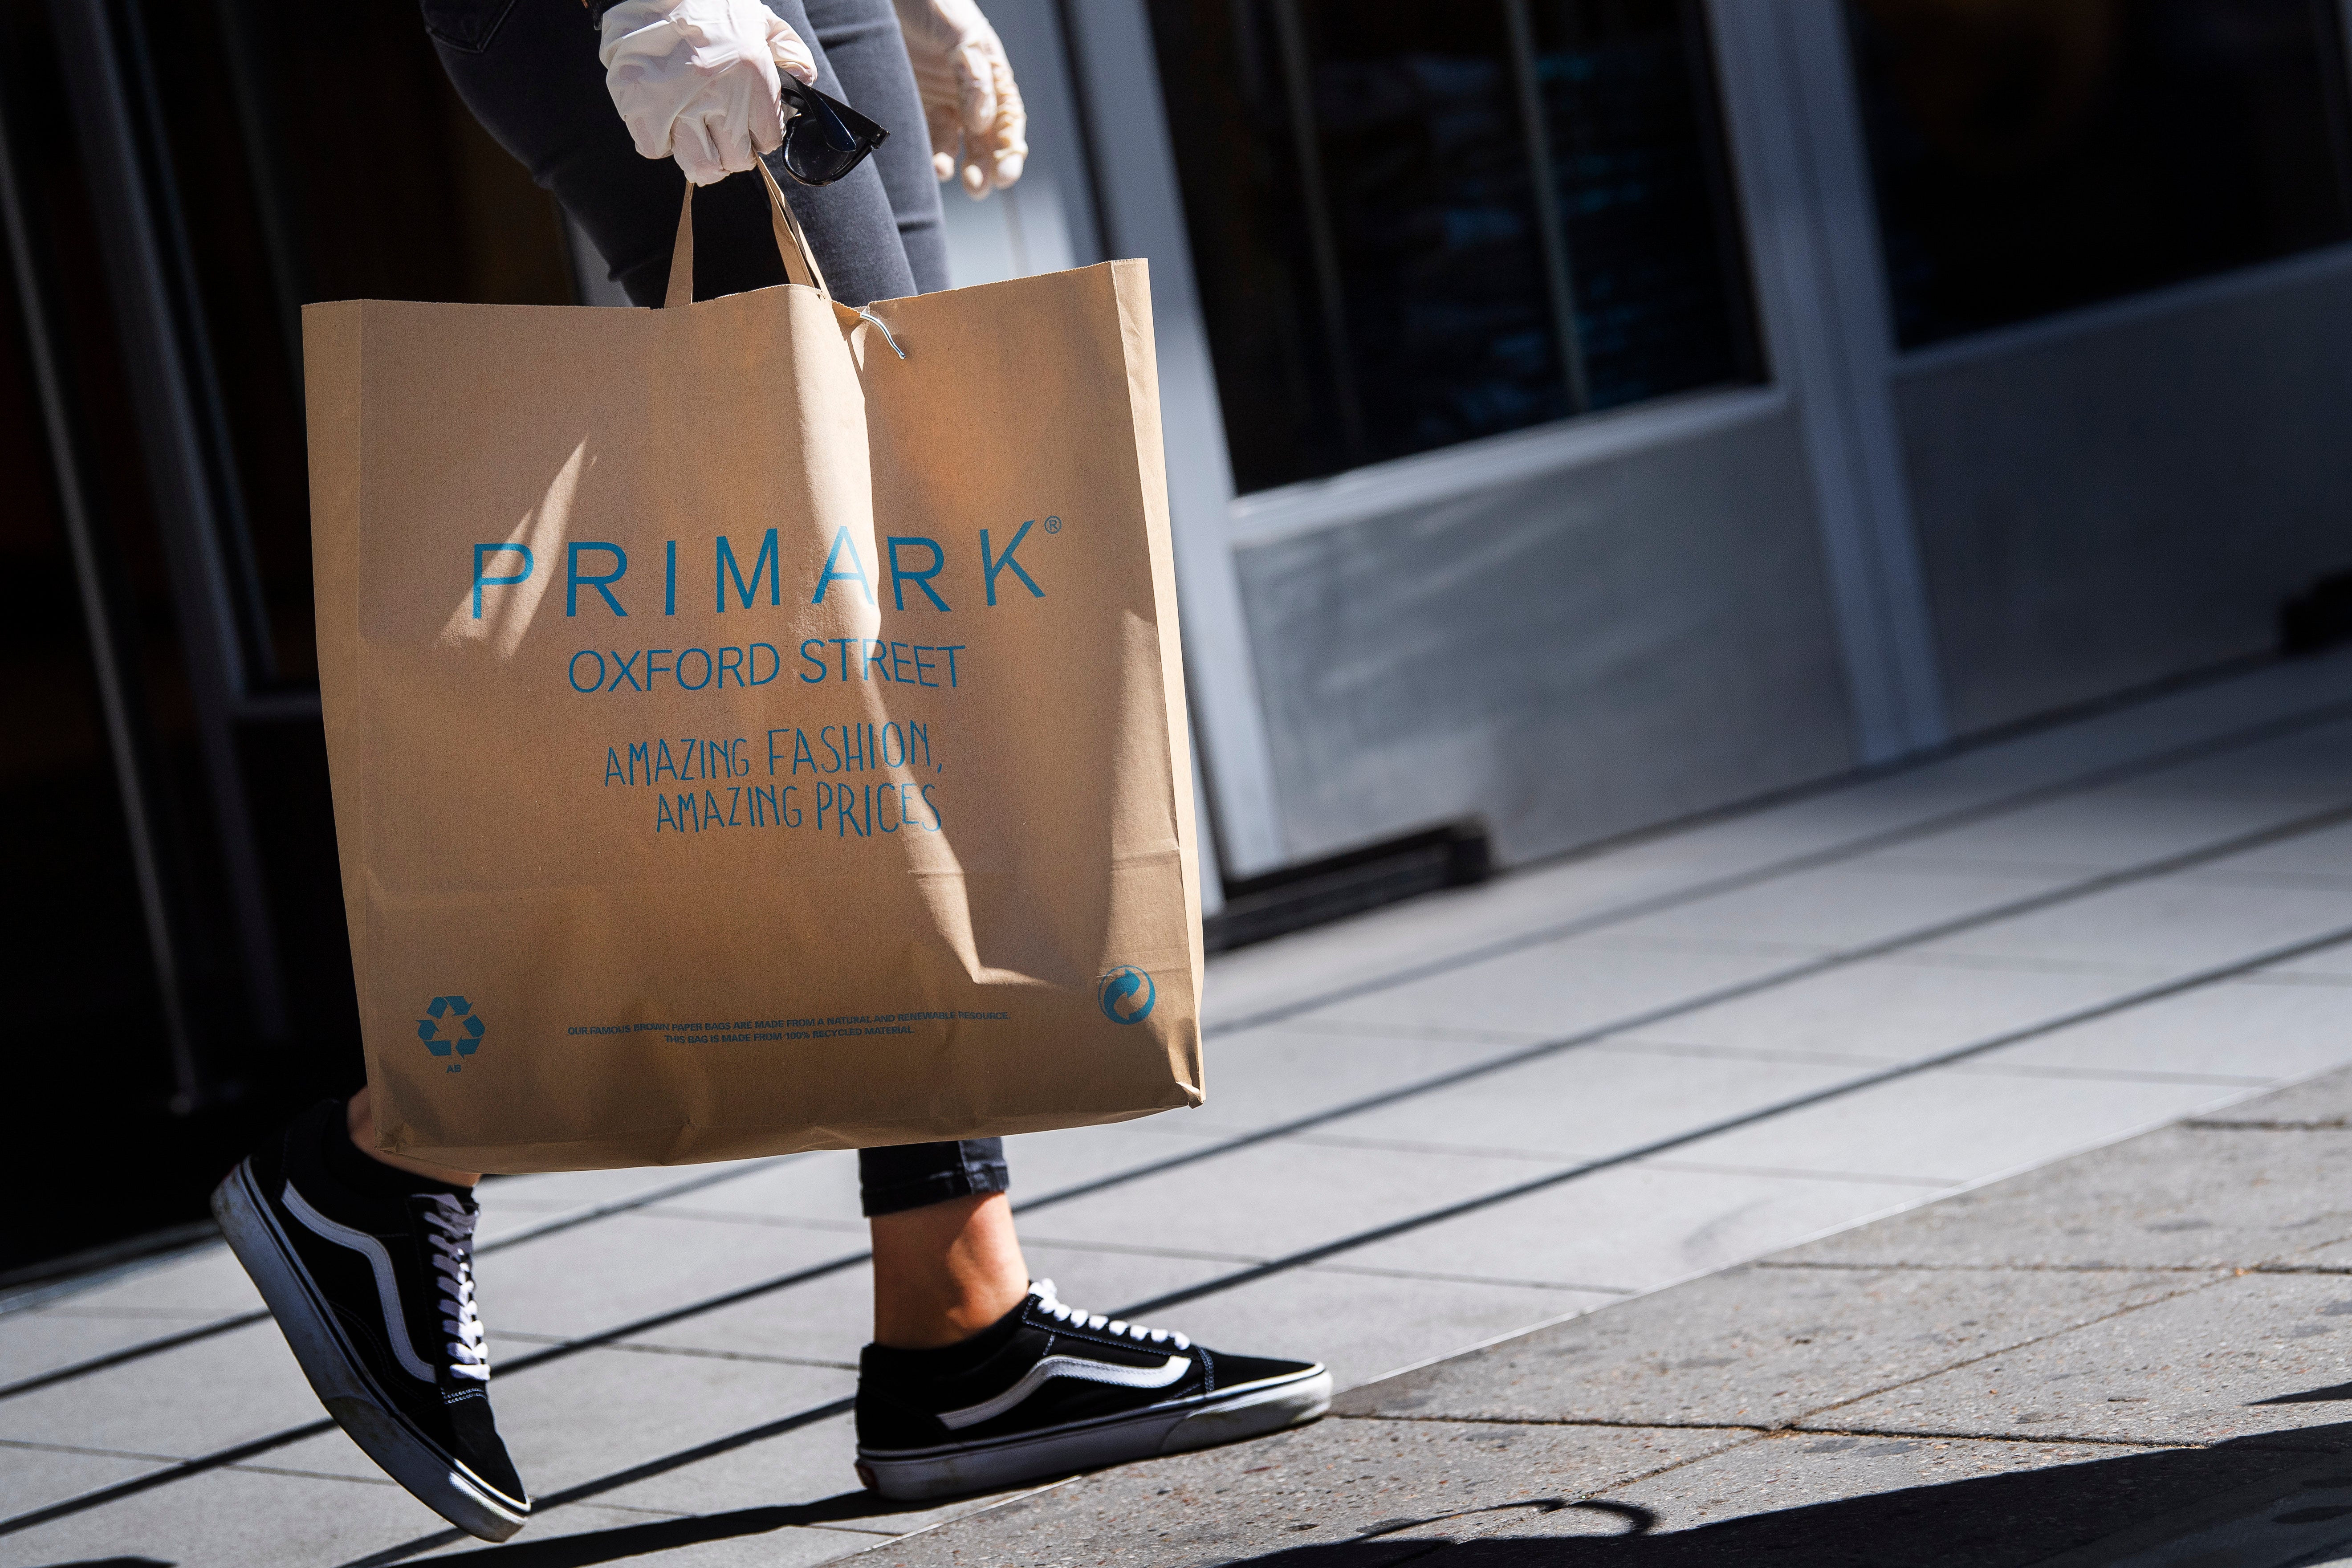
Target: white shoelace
x=1079 y=1317
x=452 y=1239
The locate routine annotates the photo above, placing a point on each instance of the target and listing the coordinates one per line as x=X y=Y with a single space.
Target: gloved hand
x=969 y=94
x=697 y=79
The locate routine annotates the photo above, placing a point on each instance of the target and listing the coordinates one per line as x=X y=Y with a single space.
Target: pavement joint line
x=1136 y=1250
x=2191 y=981
x=1761 y=1429
x=190 y=1336
x=1839 y=1266
x=2309 y=1269
x=1477 y=1280
x=1795 y=1173
x=39 y=1447
x=2334 y=1124
x=2276 y=833
x=2117 y=1075
x=695 y=1352
x=2210 y=746
x=313 y=1475
x=1739 y=990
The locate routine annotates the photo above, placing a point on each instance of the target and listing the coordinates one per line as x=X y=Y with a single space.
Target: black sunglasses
x=824 y=139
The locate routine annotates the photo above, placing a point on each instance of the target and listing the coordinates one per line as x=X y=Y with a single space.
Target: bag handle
x=792 y=244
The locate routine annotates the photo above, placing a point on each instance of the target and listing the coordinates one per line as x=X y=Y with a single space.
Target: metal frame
x=112 y=664
x=164 y=352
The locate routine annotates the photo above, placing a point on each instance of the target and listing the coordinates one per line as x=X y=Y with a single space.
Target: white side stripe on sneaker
x=1066 y=1367
x=1079 y=1367
x=387 y=1287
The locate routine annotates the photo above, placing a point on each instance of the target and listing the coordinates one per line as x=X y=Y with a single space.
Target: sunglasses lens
x=813 y=160
x=824 y=139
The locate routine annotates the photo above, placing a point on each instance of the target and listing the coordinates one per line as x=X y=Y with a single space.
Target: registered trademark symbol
x=1052 y=525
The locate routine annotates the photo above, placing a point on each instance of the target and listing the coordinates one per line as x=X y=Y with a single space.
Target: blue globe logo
x=450 y=1024
x=1126 y=995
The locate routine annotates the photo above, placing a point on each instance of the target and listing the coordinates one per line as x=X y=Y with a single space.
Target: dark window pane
x=1659 y=275
x=2032 y=155
x=1396 y=210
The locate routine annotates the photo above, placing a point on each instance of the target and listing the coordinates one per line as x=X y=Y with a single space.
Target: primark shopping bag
x=755 y=725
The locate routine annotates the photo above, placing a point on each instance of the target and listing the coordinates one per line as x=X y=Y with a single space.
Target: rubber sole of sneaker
x=341 y=1382
x=1251 y=1411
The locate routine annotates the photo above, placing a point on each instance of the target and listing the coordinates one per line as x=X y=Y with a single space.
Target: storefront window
x=1416 y=225
x=2033 y=155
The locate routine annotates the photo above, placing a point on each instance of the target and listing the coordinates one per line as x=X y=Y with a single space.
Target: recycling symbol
x=451 y=1023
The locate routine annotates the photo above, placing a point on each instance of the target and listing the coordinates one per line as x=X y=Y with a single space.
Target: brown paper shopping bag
x=755 y=725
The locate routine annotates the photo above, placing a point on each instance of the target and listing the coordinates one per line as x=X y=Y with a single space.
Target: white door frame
x=1791 y=114
x=1795 y=128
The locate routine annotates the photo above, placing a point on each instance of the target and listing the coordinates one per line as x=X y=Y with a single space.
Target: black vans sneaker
x=376 y=1294
x=1048 y=1389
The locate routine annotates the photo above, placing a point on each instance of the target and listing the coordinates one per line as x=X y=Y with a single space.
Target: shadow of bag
x=755 y=724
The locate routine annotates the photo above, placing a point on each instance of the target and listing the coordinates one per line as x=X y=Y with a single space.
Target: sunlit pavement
x=1461 y=1119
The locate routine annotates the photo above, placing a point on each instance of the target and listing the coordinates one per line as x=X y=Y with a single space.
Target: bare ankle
x=944 y=1272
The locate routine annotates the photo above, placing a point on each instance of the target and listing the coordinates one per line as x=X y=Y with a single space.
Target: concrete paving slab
x=1363 y=1325
x=219 y=1391
x=1047 y=1162
x=1268 y=1076
x=36 y=1342
x=2308 y=765
x=1850 y=905
x=1636 y=1228
x=2248 y=1032
x=2103 y=830
x=228 y=1519
x=35 y=1476
x=1565 y=987
x=2253 y=1355
x=2172 y=926
x=1756 y=1347
x=1277 y=1197
x=1893 y=1009
x=824 y=1319
x=2327 y=851
x=633 y=1265
x=607 y=1410
x=1586 y=1102
x=2182 y=1197
x=1955 y=1126
x=1314 y=1490
x=204 y=1284
x=1294 y=969
x=820 y=1187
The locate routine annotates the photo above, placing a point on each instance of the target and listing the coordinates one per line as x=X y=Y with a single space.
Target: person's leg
x=947 y=1263
x=536 y=85
x=861 y=38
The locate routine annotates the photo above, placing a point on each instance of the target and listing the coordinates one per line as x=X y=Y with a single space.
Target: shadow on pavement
x=629 y=1541
x=1987 y=1522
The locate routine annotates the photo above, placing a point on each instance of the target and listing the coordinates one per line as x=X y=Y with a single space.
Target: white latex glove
x=969 y=94
x=696 y=79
